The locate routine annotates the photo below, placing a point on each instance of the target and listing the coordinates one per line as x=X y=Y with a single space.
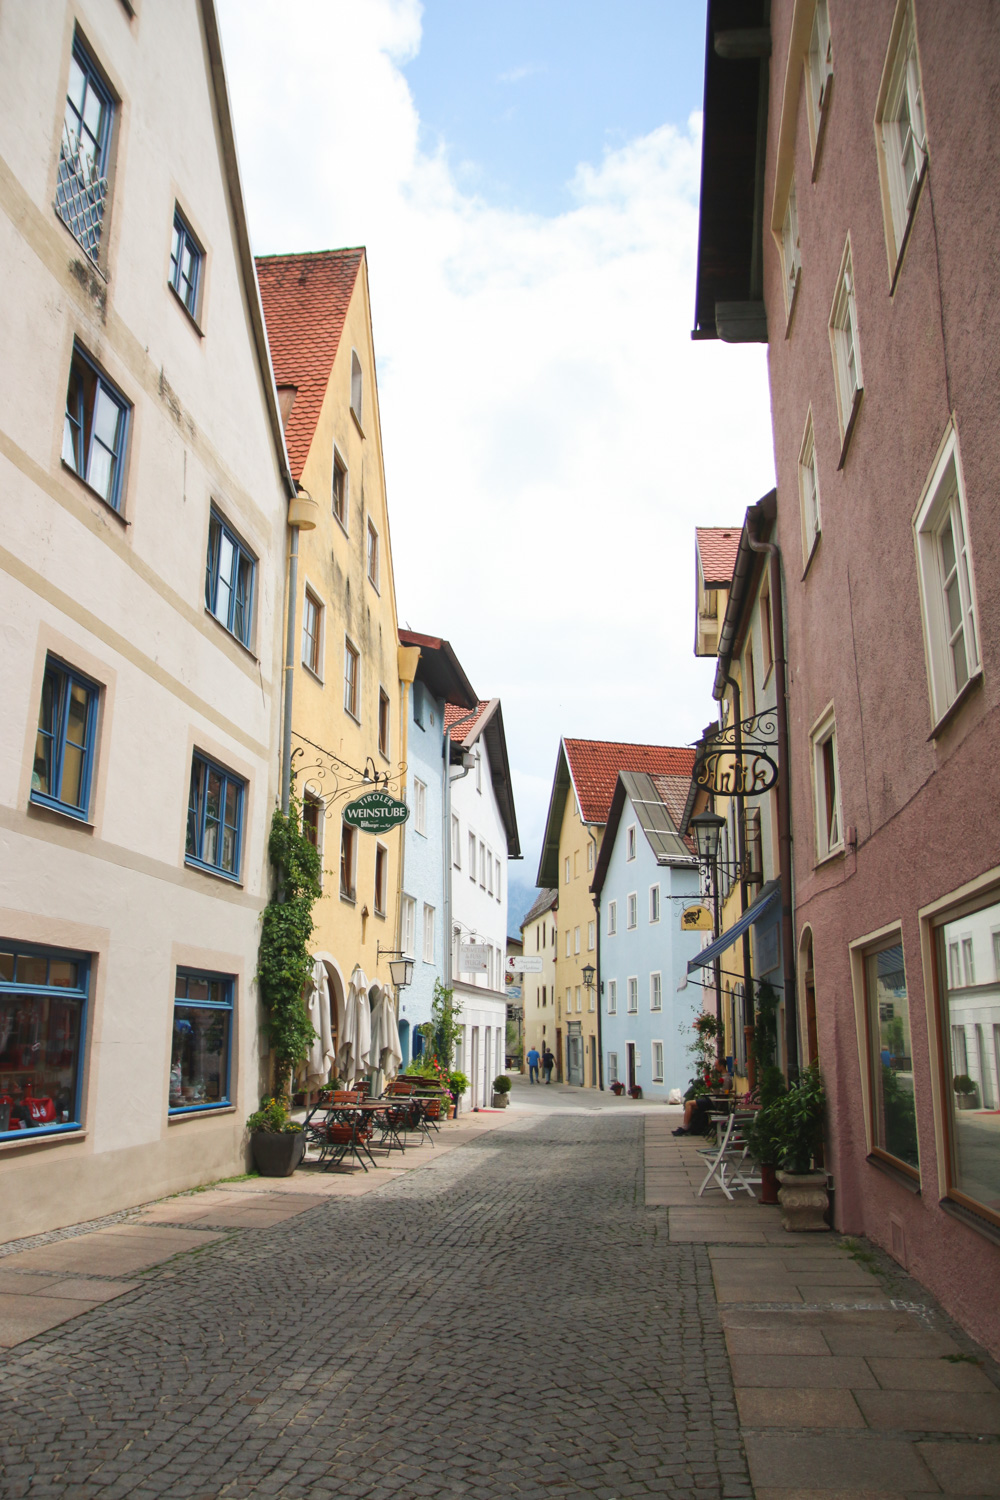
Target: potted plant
x=501 y=1091
x=278 y=1143
x=966 y=1092
x=617 y=1088
x=635 y=1092
x=798 y=1128
x=762 y=1133
x=458 y=1083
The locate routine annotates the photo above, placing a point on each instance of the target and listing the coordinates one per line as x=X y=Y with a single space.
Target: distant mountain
x=521 y=897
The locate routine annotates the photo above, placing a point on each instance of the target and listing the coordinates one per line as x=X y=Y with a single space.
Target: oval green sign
x=376 y=812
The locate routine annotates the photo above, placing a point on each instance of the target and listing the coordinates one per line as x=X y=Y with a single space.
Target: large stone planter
x=500 y=1101
x=804 y=1200
x=276 y=1153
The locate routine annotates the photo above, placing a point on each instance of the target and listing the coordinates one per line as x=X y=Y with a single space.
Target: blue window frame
x=43 y=1027
x=215 y=818
x=185 y=264
x=66 y=740
x=96 y=429
x=201 y=1049
x=82 y=180
x=229 y=579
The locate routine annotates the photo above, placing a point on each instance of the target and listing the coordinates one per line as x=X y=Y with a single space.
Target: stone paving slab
x=963 y=1468
x=25 y=1313
x=110 y=1252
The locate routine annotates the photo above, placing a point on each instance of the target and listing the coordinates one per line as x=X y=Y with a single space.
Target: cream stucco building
x=348 y=664
x=144 y=496
x=538 y=990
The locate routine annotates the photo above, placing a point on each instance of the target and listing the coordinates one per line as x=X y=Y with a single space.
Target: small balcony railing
x=80 y=197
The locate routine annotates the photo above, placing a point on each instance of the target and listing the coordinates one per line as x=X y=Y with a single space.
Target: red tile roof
x=305 y=300
x=717 y=548
x=453 y=713
x=594 y=767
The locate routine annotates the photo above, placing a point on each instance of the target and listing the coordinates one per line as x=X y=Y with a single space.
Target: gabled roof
x=653 y=817
x=305 y=299
x=485 y=722
x=717 y=548
x=591 y=767
x=544 y=902
x=441 y=671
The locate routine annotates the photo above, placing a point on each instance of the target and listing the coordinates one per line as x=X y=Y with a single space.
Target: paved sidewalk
x=850 y=1382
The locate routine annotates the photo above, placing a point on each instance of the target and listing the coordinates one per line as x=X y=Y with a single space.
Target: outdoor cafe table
x=349 y=1114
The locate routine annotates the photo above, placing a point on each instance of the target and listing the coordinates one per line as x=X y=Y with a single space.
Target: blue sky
x=521 y=91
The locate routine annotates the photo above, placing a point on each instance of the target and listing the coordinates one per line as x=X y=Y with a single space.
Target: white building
x=483 y=838
x=143 y=504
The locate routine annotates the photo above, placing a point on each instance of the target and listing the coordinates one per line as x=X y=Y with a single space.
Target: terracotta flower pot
x=276 y=1153
x=768 y=1184
x=804 y=1200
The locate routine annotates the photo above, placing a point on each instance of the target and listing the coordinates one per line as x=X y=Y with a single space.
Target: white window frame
x=472 y=857
x=613 y=1067
x=829 y=839
x=408 y=927
x=590 y=855
x=630 y=842
x=654 y=903
x=791 y=250
x=340 y=462
x=612 y=997
x=381 y=849
x=612 y=918
x=419 y=806
x=900 y=132
x=632 y=995
x=845 y=348
x=482 y=864
x=569 y=943
x=372 y=559
x=576 y=939
x=310 y=597
x=429 y=934
x=819 y=76
x=456 y=842
x=352 y=702
x=809 y=505
x=579 y=1001
x=657 y=1049
x=489 y=872
x=942 y=507
x=566 y=870
x=632 y=911
x=656 y=991
x=591 y=936
x=357 y=387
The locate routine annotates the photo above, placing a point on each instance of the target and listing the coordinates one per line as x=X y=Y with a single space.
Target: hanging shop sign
x=746 y=771
x=696 y=919
x=376 y=812
x=473 y=958
x=524 y=963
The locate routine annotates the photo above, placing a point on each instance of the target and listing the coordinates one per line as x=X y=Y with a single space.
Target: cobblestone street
x=508 y=1321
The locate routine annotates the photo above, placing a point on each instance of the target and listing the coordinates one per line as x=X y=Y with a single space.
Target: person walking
x=548 y=1063
x=533 y=1061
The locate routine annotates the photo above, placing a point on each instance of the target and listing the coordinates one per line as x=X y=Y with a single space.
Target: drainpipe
x=741 y=841
x=303 y=511
x=784 y=804
x=407 y=661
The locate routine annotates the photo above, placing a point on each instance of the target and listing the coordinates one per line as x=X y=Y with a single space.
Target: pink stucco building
x=850 y=218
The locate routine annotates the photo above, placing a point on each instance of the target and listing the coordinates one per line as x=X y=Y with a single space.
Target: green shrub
x=272 y=1116
x=501 y=1085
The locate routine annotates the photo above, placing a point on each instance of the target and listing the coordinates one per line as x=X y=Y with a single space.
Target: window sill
x=351 y=715
x=380 y=914
x=179 y=1113
x=342 y=524
x=828 y=858
x=213 y=870
x=44 y=804
x=852 y=422
x=896 y=1173
x=812 y=553
x=186 y=311
x=824 y=115
x=357 y=421
x=349 y=897
x=69 y=469
x=312 y=673
x=47 y=1135
x=374 y=585
x=234 y=638
x=790 y=314
x=951 y=712
x=985 y=1227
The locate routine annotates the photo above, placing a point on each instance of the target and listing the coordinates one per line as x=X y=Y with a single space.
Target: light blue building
x=423 y=932
x=644 y=878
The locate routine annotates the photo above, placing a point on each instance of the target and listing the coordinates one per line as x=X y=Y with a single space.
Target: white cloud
x=552 y=435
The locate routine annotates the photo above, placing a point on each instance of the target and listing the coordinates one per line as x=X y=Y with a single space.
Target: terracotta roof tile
x=305 y=299
x=594 y=767
x=453 y=712
x=717 y=548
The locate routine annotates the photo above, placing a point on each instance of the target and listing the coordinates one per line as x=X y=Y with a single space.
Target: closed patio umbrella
x=321 y=1054
x=355 y=1043
x=386 y=1053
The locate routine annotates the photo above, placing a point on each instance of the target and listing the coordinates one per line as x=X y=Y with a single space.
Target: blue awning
x=765 y=902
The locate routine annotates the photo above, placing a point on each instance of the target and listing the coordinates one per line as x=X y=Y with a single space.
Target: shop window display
x=43 y=995
x=199 y=1059
x=894 y=1107
x=968 y=954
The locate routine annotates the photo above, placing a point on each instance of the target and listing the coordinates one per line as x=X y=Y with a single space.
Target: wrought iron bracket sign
x=327 y=778
x=376 y=812
x=747 y=772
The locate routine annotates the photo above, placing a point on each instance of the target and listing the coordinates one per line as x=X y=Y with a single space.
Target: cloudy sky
x=524 y=174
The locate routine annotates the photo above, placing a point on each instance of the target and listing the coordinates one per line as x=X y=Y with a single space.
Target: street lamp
x=588 y=976
x=400 y=967
x=707 y=828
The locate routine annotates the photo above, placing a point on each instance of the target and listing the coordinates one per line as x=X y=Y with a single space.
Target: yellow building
x=539 y=934
x=582 y=789
x=346 y=718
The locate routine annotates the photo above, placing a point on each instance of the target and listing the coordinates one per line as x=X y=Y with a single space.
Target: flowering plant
x=272 y=1116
